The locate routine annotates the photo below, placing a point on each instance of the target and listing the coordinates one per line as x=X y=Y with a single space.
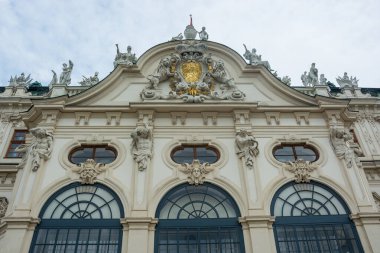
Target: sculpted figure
x=344 y=146
x=347 y=81
x=305 y=79
x=127 y=58
x=322 y=80
x=3 y=206
x=196 y=171
x=142 y=144
x=89 y=170
x=65 y=77
x=254 y=58
x=39 y=149
x=163 y=73
x=313 y=75
x=87 y=81
x=247 y=147
x=286 y=80
x=178 y=37
x=54 y=79
x=203 y=35
x=20 y=80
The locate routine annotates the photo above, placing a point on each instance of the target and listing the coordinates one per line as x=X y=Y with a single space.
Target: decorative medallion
x=196 y=171
x=192 y=76
x=301 y=170
x=89 y=170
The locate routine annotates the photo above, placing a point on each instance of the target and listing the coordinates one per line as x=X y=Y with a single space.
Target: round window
x=188 y=153
x=100 y=154
x=294 y=152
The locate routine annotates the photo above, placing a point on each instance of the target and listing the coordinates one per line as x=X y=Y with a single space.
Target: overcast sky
x=338 y=35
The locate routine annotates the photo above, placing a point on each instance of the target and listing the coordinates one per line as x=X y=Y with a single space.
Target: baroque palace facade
x=189 y=149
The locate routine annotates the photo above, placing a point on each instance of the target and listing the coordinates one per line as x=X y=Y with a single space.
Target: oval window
x=188 y=153
x=100 y=154
x=294 y=152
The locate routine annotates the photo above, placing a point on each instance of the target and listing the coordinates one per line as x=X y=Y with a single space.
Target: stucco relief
x=38 y=149
x=376 y=197
x=142 y=144
x=89 y=170
x=196 y=171
x=301 y=170
x=344 y=146
x=3 y=206
x=192 y=77
x=247 y=147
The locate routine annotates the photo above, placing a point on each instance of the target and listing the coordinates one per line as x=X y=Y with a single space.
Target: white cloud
x=39 y=35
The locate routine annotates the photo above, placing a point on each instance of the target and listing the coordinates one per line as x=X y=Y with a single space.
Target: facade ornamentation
x=190 y=32
x=301 y=170
x=65 y=77
x=311 y=78
x=196 y=171
x=345 y=81
x=286 y=80
x=178 y=37
x=3 y=206
x=376 y=197
x=322 y=80
x=88 y=81
x=345 y=147
x=142 y=144
x=254 y=58
x=192 y=77
x=128 y=59
x=247 y=147
x=203 y=35
x=89 y=170
x=39 y=149
x=20 y=81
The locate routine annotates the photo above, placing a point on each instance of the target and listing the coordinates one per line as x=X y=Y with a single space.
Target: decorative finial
x=191 y=19
x=190 y=32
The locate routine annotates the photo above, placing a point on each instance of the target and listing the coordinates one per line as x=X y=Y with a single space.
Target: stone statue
x=313 y=75
x=178 y=37
x=322 y=80
x=304 y=79
x=286 y=80
x=3 y=206
x=54 y=79
x=39 y=149
x=203 y=35
x=247 y=147
x=127 y=58
x=344 y=146
x=142 y=144
x=346 y=81
x=89 y=170
x=65 y=77
x=163 y=72
x=254 y=58
x=88 y=81
x=21 y=80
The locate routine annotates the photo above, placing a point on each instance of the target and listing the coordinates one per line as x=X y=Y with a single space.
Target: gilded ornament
x=191 y=71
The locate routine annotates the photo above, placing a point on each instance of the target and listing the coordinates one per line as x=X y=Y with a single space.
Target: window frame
x=12 y=141
x=94 y=147
x=194 y=147
x=294 y=152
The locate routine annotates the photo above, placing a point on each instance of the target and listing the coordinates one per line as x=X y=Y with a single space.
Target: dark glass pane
x=94 y=235
x=72 y=236
x=284 y=151
x=62 y=236
x=104 y=236
x=41 y=236
x=83 y=235
x=83 y=153
x=185 y=155
x=206 y=155
x=50 y=239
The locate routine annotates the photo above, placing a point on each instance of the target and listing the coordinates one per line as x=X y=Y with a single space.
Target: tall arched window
x=201 y=219
x=312 y=218
x=80 y=218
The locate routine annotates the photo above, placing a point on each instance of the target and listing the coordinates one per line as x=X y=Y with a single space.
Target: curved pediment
x=191 y=72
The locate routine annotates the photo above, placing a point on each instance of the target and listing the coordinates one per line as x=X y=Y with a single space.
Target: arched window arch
x=201 y=218
x=312 y=218
x=80 y=218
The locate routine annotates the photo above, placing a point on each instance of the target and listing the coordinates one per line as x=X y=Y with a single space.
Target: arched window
x=312 y=218
x=80 y=218
x=201 y=218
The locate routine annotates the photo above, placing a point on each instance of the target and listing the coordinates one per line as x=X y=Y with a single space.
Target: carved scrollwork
x=3 y=206
x=196 y=171
x=89 y=170
x=301 y=170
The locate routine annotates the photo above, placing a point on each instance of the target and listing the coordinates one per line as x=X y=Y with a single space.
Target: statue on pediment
x=311 y=78
x=203 y=35
x=88 y=81
x=192 y=76
x=20 y=81
x=322 y=80
x=65 y=77
x=127 y=58
x=178 y=37
x=254 y=58
x=346 y=81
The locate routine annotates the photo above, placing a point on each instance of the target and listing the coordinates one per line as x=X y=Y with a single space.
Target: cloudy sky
x=338 y=35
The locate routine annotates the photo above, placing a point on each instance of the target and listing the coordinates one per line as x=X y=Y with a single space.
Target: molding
x=82 y=115
x=113 y=117
x=178 y=116
x=302 y=115
x=49 y=118
x=257 y=221
x=272 y=115
x=209 y=115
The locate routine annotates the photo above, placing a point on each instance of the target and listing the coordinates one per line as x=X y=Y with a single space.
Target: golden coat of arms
x=191 y=71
